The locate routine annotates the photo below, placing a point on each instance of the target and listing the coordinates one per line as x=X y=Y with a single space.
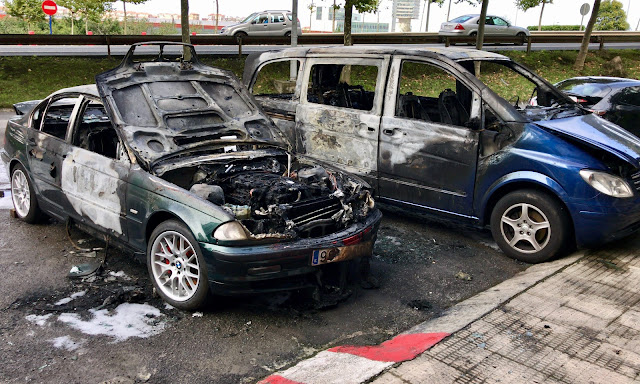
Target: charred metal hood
x=164 y=107
x=599 y=133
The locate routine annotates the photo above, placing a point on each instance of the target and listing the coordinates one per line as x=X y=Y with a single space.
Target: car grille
x=314 y=217
x=635 y=179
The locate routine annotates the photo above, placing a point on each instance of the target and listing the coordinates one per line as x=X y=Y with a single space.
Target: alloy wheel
x=175 y=266
x=525 y=228
x=20 y=193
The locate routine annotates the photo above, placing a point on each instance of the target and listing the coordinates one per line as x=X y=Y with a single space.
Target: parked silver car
x=467 y=25
x=265 y=23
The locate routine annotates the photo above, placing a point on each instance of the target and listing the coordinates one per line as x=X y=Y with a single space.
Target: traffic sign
x=584 y=9
x=49 y=7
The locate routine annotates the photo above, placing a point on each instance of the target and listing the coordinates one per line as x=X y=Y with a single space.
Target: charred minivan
x=174 y=159
x=429 y=133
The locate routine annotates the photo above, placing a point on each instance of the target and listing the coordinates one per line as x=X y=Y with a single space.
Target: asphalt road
x=112 y=329
x=119 y=50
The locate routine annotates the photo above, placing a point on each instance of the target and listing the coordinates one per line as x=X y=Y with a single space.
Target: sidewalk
x=574 y=320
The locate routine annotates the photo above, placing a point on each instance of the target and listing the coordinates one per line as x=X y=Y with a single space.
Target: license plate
x=324 y=256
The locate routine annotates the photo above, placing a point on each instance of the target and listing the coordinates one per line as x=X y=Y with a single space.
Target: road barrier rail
x=323 y=38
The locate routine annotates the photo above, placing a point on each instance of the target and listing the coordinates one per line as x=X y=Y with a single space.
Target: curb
x=358 y=364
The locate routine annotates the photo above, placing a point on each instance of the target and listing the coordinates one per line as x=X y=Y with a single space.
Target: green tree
x=90 y=10
x=28 y=10
x=611 y=17
x=361 y=6
x=527 y=4
x=124 y=9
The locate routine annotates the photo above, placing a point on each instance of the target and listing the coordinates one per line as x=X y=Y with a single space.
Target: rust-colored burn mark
x=322 y=139
x=350 y=252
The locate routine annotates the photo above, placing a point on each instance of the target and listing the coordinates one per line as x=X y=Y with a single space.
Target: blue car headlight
x=607 y=183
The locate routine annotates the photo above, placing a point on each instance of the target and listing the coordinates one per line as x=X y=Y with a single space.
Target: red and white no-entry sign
x=49 y=7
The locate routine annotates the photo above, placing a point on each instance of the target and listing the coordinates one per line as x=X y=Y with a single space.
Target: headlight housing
x=231 y=231
x=607 y=183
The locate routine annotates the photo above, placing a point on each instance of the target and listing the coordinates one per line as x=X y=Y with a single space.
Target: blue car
x=452 y=132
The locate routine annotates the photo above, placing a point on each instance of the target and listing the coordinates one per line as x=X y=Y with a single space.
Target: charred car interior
x=173 y=160
x=430 y=133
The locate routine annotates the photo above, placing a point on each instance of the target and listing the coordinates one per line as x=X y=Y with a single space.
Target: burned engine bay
x=275 y=195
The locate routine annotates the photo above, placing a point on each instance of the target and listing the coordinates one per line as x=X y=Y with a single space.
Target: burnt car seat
x=451 y=109
x=411 y=107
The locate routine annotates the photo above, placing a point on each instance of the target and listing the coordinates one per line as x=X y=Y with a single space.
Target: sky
x=559 y=12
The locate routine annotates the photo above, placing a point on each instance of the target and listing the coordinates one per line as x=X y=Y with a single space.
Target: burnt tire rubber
x=287 y=34
x=521 y=36
x=176 y=266
x=23 y=196
x=530 y=226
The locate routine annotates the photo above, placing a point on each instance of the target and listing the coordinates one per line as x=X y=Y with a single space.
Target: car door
x=338 y=117
x=96 y=170
x=428 y=153
x=47 y=146
x=625 y=109
x=500 y=26
x=277 y=24
x=260 y=25
x=489 y=28
x=277 y=94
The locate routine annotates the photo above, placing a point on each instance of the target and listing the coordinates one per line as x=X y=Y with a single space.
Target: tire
x=176 y=266
x=240 y=35
x=287 y=34
x=474 y=35
x=539 y=242
x=521 y=36
x=23 y=196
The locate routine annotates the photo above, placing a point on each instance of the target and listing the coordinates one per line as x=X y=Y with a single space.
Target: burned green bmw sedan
x=174 y=159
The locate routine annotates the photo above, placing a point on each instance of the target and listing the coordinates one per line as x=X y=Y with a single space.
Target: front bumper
x=287 y=265
x=602 y=223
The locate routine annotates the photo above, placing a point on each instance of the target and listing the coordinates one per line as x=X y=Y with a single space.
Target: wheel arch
x=519 y=181
x=158 y=218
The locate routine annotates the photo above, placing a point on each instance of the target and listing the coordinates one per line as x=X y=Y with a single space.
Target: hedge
x=555 y=27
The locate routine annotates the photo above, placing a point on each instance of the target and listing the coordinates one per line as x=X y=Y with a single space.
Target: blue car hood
x=599 y=133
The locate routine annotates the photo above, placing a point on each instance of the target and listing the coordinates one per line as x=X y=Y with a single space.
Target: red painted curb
x=277 y=379
x=400 y=348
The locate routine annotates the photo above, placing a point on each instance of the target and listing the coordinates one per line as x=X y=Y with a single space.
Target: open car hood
x=599 y=133
x=164 y=107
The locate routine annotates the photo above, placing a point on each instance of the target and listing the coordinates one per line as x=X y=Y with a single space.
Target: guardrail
x=321 y=38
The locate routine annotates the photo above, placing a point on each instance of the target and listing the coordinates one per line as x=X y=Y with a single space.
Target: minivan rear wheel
x=521 y=36
x=530 y=226
x=287 y=34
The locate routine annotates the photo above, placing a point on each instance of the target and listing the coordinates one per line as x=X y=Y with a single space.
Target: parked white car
x=467 y=25
x=265 y=23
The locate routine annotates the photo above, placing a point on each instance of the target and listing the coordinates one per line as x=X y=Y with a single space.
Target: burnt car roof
x=165 y=107
x=446 y=53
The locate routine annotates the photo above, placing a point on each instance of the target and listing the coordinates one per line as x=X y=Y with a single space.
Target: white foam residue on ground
x=119 y=274
x=66 y=342
x=41 y=320
x=393 y=240
x=125 y=321
x=69 y=299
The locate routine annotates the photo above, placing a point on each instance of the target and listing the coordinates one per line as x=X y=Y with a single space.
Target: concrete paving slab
x=577 y=324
